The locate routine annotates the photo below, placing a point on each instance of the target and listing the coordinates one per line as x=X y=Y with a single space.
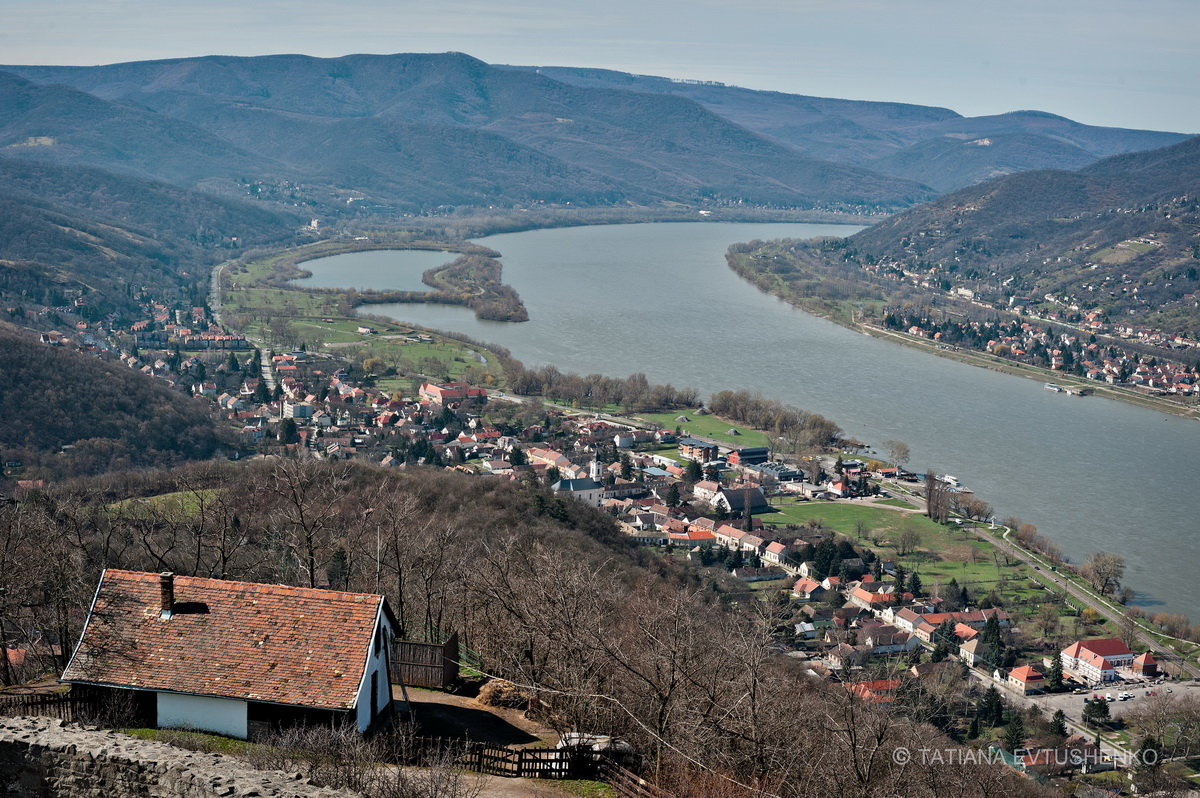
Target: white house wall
x=221 y=715
x=377 y=663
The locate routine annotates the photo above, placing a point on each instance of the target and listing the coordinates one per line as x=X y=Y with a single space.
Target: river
x=1093 y=474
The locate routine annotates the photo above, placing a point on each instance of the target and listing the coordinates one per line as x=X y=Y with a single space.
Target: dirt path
x=446 y=715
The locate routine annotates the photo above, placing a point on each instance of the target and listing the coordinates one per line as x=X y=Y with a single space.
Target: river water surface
x=1093 y=474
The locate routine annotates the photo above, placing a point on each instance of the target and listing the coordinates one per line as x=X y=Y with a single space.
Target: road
x=1087 y=599
x=214 y=304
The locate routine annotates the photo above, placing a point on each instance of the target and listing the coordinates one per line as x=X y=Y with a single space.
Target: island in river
x=660 y=299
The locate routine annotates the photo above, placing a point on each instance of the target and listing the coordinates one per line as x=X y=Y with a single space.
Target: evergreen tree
x=877 y=569
x=261 y=396
x=626 y=466
x=1096 y=712
x=900 y=576
x=991 y=708
x=992 y=639
x=1147 y=757
x=823 y=558
x=693 y=472
x=914 y=584
x=973 y=729
x=339 y=570
x=1058 y=724
x=1014 y=734
x=1054 y=676
x=287 y=431
x=672 y=498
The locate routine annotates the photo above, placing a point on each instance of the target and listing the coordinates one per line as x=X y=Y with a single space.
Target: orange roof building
x=233 y=657
x=1095 y=661
x=1027 y=679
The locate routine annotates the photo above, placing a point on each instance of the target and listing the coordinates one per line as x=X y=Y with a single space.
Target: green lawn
x=708 y=427
x=943 y=552
x=897 y=503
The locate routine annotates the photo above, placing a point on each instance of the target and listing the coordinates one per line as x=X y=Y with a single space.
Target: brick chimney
x=166 y=591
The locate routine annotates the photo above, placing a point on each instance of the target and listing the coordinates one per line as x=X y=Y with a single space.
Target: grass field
x=315 y=319
x=942 y=553
x=708 y=427
x=185 y=502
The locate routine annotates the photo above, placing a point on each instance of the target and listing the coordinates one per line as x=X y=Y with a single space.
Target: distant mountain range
x=1121 y=235
x=934 y=146
x=411 y=133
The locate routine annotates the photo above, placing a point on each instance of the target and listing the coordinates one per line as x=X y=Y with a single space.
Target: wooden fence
x=530 y=763
x=630 y=785
x=53 y=705
x=432 y=665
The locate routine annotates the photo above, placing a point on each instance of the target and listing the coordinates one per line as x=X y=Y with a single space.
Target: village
x=870 y=594
x=1082 y=355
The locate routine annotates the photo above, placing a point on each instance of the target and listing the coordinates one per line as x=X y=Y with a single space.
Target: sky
x=1129 y=63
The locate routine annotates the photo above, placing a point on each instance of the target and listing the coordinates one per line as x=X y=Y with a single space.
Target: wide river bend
x=1093 y=474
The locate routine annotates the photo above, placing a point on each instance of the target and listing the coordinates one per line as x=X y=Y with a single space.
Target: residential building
x=235 y=658
x=1026 y=680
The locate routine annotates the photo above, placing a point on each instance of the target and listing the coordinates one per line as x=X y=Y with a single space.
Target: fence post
x=450 y=661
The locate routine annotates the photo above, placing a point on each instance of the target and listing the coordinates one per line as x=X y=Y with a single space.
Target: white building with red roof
x=1096 y=661
x=235 y=658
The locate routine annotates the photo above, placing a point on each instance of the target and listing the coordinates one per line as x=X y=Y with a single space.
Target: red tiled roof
x=242 y=640
x=1026 y=674
x=1106 y=647
x=880 y=691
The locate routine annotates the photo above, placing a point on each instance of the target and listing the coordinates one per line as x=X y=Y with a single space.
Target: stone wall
x=42 y=758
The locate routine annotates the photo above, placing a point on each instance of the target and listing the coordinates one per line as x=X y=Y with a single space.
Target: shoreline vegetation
x=841 y=293
x=496 y=367
x=472 y=280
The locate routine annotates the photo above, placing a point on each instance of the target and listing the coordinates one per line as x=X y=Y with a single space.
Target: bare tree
x=898 y=452
x=1104 y=570
x=937 y=497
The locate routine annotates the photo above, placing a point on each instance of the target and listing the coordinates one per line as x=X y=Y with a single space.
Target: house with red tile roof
x=1095 y=661
x=873 y=595
x=235 y=658
x=1145 y=665
x=1026 y=679
x=879 y=691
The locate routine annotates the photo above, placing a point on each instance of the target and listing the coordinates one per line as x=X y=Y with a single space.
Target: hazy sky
x=1133 y=63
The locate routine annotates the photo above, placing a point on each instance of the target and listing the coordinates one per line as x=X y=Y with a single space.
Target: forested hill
x=930 y=145
x=109 y=416
x=1119 y=235
x=71 y=227
x=417 y=131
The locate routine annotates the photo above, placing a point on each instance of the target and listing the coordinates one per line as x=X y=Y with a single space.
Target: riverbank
x=857 y=311
x=476 y=225
x=1033 y=453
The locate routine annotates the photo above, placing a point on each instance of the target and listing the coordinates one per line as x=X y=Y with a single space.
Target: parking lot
x=1072 y=703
